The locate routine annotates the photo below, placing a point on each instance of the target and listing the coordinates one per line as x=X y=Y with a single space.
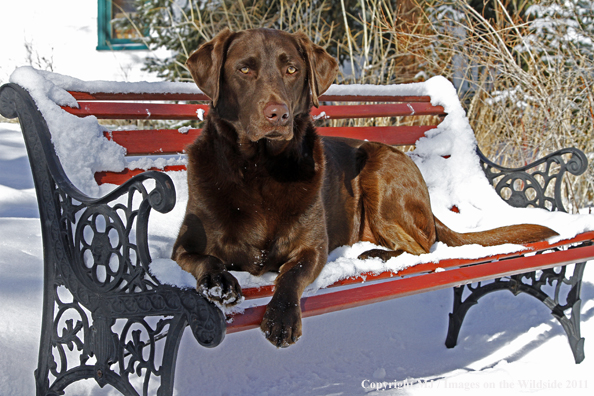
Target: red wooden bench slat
x=171 y=141
x=400 y=135
x=137 y=111
x=169 y=111
x=139 y=96
x=121 y=177
x=373 y=98
x=201 y=97
x=330 y=302
x=267 y=291
x=153 y=141
x=378 y=110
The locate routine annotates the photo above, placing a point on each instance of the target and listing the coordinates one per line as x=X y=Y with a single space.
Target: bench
x=123 y=326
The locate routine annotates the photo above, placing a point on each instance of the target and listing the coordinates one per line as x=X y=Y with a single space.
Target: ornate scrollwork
x=542 y=187
x=68 y=334
x=110 y=253
x=534 y=283
x=103 y=254
x=138 y=337
x=102 y=307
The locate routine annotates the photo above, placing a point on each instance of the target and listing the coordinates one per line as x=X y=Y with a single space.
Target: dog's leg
x=213 y=279
x=396 y=206
x=282 y=321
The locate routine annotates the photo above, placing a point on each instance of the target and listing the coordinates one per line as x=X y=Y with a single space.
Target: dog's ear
x=206 y=62
x=322 y=67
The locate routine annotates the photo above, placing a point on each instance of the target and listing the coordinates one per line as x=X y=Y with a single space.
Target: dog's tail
x=519 y=234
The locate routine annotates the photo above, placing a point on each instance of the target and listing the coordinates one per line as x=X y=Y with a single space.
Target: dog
x=266 y=193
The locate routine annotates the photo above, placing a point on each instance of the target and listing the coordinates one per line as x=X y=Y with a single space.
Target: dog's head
x=261 y=80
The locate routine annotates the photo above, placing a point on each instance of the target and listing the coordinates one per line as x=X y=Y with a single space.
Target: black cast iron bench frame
x=117 y=320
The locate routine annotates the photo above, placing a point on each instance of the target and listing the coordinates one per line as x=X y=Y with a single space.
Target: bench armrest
x=98 y=247
x=538 y=184
x=102 y=234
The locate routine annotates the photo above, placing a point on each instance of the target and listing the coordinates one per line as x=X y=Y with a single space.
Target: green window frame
x=106 y=41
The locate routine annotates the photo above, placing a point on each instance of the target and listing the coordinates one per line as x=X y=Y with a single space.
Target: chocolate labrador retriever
x=266 y=193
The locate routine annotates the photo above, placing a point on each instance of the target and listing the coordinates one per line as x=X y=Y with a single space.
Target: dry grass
x=521 y=105
x=524 y=104
x=8 y=120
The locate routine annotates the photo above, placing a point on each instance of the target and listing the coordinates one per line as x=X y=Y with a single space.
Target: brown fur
x=266 y=193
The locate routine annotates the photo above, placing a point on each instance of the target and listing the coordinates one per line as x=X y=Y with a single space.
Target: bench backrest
x=163 y=106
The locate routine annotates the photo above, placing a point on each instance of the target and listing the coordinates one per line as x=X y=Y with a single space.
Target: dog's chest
x=259 y=221
x=255 y=211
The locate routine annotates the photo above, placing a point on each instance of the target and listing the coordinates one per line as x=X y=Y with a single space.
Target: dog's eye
x=291 y=70
x=245 y=70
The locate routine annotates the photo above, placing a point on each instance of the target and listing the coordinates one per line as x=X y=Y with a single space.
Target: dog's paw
x=383 y=255
x=282 y=324
x=220 y=287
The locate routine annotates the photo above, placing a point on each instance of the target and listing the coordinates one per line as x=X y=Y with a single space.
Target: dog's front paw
x=220 y=287
x=282 y=323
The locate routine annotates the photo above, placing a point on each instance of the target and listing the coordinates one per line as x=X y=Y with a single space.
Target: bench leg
x=531 y=283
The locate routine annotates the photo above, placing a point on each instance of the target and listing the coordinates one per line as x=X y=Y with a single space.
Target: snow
x=398 y=342
x=200 y=114
x=39 y=33
x=52 y=37
x=554 y=25
x=73 y=137
x=75 y=84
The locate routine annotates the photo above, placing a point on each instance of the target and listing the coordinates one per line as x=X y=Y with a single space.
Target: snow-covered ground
x=507 y=344
x=62 y=36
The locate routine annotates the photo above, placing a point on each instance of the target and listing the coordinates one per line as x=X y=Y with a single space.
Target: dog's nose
x=276 y=113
